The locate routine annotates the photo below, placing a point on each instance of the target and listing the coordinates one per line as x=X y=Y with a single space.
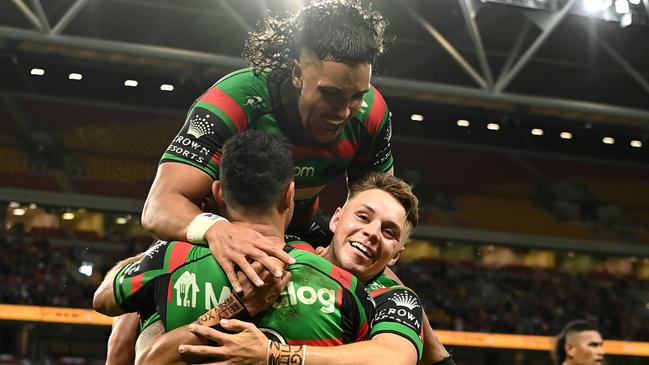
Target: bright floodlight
x=19 y=211
x=566 y=135
x=75 y=76
x=621 y=6
x=166 y=87
x=635 y=2
x=593 y=6
x=86 y=268
x=417 y=118
x=37 y=72
x=537 y=132
x=121 y=220
x=608 y=140
x=130 y=83
x=68 y=216
x=493 y=126
x=635 y=143
x=463 y=123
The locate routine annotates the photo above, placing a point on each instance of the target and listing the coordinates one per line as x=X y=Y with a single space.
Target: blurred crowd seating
x=517 y=299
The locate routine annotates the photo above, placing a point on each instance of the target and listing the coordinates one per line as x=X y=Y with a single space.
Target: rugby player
x=579 y=343
x=369 y=234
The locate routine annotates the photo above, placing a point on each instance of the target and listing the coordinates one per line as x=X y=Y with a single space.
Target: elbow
x=148 y=218
x=104 y=305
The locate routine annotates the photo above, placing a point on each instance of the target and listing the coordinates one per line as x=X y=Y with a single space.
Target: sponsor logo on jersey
x=200 y=125
x=305 y=171
x=400 y=307
x=186 y=290
x=189 y=148
x=404 y=299
x=291 y=295
x=254 y=100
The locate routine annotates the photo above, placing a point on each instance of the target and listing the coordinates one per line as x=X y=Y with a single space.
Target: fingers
x=208 y=333
x=280 y=254
x=228 y=268
x=201 y=350
x=247 y=269
x=237 y=325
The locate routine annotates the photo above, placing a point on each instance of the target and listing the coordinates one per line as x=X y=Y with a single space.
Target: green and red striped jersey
x=177 y=281
x=241 y=101
x=398 y=311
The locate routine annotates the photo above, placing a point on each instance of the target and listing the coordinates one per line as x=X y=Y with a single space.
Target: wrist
x=278 y=353
x=199 y=226
x=231 y=307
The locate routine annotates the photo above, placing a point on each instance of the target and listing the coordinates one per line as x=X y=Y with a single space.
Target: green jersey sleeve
x=225 y=109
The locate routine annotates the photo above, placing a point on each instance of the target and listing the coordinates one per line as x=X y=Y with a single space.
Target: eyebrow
x=331 y=87
x=390 y=224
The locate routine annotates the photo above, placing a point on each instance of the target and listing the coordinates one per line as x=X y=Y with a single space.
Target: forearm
x=167 y=216
x=434 y=351
x=163 y=348
x=385 y=349
x=104 y=298
x=121 y=343
x=158 y=348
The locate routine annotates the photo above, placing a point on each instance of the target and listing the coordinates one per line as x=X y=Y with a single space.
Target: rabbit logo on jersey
x=291 y=295
x=186 y=290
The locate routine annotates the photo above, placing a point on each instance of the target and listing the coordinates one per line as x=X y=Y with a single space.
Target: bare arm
x=434 y=351
x=121 y=342
x=157 y=348
x=174 y=201
x=104 y=298
x=251 y=347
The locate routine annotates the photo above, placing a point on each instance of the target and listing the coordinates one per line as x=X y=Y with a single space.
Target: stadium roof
x=538 y=57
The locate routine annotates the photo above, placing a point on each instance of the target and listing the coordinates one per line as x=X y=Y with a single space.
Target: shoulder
x=374 y=111
x=240 y=96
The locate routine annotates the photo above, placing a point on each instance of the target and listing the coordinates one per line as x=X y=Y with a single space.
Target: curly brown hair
x=334 y=30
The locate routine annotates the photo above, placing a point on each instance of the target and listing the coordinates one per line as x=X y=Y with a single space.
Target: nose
x=373 y=230
x=343 y=112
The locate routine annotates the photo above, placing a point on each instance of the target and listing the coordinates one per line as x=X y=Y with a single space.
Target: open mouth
x=362 y=249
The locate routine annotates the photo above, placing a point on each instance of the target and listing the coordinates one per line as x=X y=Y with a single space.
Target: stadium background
x=522 y=124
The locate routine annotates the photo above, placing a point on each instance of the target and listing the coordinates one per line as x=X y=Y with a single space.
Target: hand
x=234 y=244
x=322 y=251
x=248 y=347
x=257 y=300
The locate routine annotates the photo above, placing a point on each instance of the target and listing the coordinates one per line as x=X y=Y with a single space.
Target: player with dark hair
x=370 y=231
x=174 y=283
x=579 y=343
x=309 y=81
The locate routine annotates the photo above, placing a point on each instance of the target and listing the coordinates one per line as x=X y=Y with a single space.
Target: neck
x=268 y=225
x=288 y=97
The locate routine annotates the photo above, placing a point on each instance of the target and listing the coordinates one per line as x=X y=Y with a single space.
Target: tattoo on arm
x=230 y=307
x=279 y=354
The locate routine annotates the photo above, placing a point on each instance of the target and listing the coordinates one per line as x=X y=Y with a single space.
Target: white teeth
x=361 y=248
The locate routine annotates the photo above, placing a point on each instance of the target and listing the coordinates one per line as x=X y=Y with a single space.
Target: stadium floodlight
x=18 y=211
x=565 y=135
x=593 y=6
x=167 y=87
x=86 y=268
x=621 y=6
x=463 y=123
x=67 y=216
x=417 y=118
x=37 y=72
x=33 y=206
x=537 y=132
x=635 y=2
x=14 y=205
x=131 y=83
x=493 y=126
x=75 y=76
x=636 y=144
x=121 y=220
x=608 y=140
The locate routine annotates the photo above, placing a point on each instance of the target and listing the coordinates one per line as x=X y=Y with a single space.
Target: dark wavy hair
x=335 y=30
x=559 y=353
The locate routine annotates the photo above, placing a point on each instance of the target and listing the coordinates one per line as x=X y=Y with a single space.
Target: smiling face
x=369 y=233
x=330 y=94
x=584 y=348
